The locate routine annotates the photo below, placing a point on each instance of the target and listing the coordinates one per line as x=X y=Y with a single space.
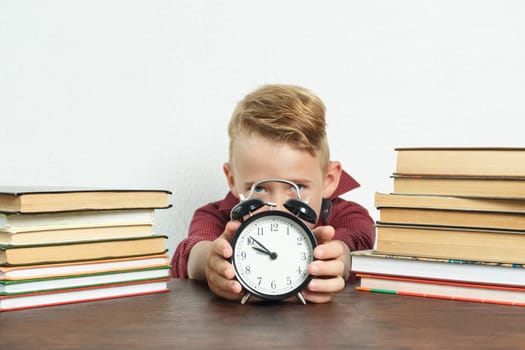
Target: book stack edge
x=69 y=245
x=453 y=228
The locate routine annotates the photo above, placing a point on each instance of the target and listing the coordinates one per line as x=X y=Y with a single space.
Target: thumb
x=230 y=229
x=324 y=233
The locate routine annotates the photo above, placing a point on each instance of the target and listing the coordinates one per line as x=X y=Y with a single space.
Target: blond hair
x=285 y=114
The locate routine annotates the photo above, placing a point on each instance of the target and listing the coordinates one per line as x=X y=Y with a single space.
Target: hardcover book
x=492 y=294
x=422 y=201
x=77 y=295
x=74 y=234
x=80 y=251
x=504 y=246
x=83 y=267
x=16 y=222
x=471 y=271
x=482 y=187
x=80 y=281
x=464 y=161
x=452 y=218
x=59 y=199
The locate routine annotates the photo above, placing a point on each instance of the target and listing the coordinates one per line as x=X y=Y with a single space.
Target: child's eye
x=301 y=188
x=259 y=189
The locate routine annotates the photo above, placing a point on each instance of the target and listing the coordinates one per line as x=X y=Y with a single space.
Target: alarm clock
x=272 y=249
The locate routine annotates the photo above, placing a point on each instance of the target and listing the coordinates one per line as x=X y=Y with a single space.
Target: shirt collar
x=346 y=184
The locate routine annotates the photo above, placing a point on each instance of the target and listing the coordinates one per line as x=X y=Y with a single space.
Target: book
x=16 y=222
x=80 y=268
x=483 y=187
x=77 y=295
x=470 y=161
x=506 y=246
x=59 y=199
x=79 y=281
x=481 y=293
x=74 y=234
x=421 y=201
x=457 y=218
x=80 y=251
x=470 y=271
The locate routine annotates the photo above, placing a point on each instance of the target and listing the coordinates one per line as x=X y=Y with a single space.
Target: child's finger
x=326 y=268
x=324 y=233
x=329 y=285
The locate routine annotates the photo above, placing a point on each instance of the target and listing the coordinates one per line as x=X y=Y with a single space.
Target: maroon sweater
x=353 y=225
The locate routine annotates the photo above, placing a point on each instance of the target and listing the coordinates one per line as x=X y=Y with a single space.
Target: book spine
x=434 y=296
x=84 y=300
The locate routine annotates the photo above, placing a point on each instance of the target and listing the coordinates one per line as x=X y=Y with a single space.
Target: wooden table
x=190 y=317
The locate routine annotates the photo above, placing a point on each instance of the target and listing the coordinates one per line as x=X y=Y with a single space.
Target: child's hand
x=329 y=270
x=219 y=272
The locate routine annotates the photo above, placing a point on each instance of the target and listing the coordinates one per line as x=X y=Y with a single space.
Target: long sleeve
x=353 y=225
x=207 y=224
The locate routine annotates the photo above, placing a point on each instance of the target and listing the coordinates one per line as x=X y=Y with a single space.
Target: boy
x=279 y=131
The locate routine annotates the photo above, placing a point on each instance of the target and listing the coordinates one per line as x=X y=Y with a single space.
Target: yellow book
x=462 y=161
x=56 y=199
x=80 y=251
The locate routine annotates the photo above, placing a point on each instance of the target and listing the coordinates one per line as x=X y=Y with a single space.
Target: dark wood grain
x=190 y=317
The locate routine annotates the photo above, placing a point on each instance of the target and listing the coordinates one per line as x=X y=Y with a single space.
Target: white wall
x=138 y=93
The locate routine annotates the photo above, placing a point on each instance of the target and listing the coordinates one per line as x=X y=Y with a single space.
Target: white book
x=78 y=281
x=14 y=223
x=78 y=268
x=23 y=301
x=369 y=262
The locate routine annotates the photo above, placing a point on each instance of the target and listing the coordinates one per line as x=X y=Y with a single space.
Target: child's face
x=255 y=158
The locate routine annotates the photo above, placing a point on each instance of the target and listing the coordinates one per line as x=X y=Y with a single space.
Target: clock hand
x=261 y=245
x=272 y=255
x=263 y=249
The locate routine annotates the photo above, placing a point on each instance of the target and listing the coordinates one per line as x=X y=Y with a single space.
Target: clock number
x=243 y=255
x=273 y=284
x=260 y=280
x=260 y=231
x=303 y=256
x=288 y=281
x=299 y=240
x=299 y=270
x=247 y=270
x=274 y=227
x=249 y=241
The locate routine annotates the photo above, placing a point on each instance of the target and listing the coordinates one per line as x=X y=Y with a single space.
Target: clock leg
x=245 y=298
x=301 y=298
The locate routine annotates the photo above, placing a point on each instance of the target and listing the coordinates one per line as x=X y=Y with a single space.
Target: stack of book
x=453 y=228
x=68 y=245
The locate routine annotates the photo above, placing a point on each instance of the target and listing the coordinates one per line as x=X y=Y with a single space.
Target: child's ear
x=331 y=178
x=229 y=177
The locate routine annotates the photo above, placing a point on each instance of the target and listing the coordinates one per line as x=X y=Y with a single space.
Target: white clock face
x=271 y=254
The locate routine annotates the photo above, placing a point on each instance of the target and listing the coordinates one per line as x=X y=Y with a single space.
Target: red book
x=442 y=289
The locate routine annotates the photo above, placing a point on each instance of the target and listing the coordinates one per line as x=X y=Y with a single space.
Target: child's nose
x=278 y=198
